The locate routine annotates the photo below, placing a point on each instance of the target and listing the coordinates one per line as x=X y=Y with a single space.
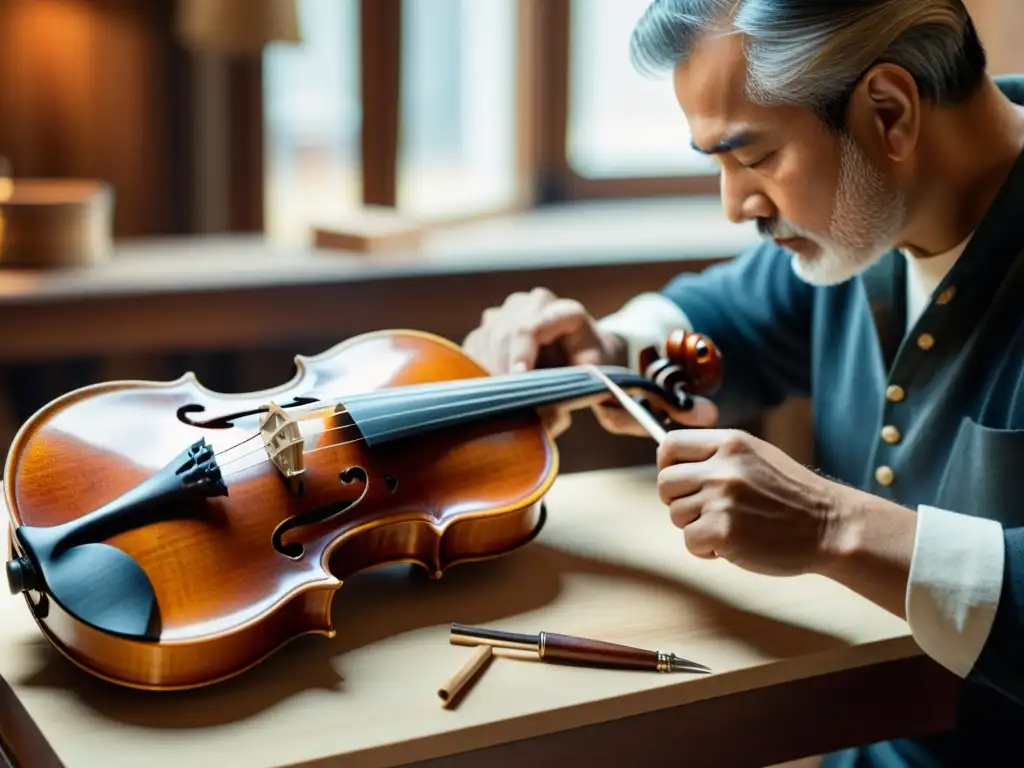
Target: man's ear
x=885 y=111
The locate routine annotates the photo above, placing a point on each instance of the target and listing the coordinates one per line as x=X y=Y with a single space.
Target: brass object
x=891 y=434
x=895 y=394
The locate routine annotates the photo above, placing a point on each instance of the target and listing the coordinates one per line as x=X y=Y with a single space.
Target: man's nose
x=742 y=204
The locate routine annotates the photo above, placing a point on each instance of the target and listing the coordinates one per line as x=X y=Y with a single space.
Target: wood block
x=49 y=223
x=371 y=229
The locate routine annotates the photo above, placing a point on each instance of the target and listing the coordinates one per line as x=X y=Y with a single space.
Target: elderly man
x=884 y=167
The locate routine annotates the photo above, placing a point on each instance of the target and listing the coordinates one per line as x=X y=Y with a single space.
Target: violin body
x=166 y=536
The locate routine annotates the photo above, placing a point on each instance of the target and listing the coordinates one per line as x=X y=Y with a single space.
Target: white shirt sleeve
x=645 y=321
x=956 y=578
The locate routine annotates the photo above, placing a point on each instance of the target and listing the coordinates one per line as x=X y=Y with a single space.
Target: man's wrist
x=616 y=349
x=868 y=546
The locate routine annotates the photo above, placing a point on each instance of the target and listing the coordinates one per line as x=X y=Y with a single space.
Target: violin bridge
x=283 y=441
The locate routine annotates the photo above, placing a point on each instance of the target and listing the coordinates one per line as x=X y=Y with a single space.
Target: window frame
x=544 y=174
x=561 y=181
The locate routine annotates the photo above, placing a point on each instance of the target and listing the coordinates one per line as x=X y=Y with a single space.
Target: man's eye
x=760 y=162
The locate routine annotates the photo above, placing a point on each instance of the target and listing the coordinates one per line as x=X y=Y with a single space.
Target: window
x=621 y=123
x=484 y=120
x=313 y=115
x=457 y=138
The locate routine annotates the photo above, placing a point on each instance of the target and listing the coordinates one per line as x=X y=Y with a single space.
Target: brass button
x=885 y=475
x=890 y=434
x=926 y=341
x=946 y=296
x=895 y=394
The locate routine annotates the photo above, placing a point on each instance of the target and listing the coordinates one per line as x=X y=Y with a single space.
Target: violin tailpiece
x=99 y=584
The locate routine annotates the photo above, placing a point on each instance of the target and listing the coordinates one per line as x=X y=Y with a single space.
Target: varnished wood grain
x=238 y=575
x=226 y=597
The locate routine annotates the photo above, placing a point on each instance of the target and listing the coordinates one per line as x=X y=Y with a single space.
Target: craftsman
x=884 y=167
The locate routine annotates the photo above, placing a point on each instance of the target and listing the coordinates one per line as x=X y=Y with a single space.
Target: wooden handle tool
x=575 y=650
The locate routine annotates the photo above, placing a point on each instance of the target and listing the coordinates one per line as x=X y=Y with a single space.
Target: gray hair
x=813 y=52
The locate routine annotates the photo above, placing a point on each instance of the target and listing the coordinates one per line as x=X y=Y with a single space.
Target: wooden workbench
x=800 y=666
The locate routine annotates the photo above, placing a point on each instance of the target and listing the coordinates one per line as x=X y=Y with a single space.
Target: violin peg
x=692 y=363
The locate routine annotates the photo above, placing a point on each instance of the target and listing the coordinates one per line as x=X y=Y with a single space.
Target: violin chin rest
x=102 y=586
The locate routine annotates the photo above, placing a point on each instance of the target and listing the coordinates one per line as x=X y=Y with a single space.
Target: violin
x=166 y=536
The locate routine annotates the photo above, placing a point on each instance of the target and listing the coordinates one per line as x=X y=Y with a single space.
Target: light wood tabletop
x=608 y=565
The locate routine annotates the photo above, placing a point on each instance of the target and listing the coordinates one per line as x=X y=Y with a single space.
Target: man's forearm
x=870 y=547
x=941 y=570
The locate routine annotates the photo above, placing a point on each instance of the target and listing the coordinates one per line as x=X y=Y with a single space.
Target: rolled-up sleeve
x=956 y=580
x=644 y=322
x=1000 y=665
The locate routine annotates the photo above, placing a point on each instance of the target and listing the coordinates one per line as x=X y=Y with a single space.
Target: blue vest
x=953 y=389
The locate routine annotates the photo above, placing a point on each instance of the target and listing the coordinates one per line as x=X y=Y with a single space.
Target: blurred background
x=263 y=178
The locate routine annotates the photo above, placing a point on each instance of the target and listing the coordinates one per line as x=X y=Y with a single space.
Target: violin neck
x=408 y=411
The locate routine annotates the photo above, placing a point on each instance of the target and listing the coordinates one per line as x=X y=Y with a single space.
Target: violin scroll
x=692 y=365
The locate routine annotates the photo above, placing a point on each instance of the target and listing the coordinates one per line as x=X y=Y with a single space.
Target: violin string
x=309 y=412
x=226 y=475
x=454 y=387
x=239 y=444
x=315 y=434
x=261 y=449
x=325 y=431
x=305 y=452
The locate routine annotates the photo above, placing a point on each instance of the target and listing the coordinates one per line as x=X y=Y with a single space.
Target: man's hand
x=742 y=499
x=540 y=330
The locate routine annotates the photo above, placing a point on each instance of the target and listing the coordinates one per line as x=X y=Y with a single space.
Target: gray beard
x=867 y=218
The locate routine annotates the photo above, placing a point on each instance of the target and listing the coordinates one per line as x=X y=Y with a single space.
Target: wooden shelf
x=577 y=235
x=227 y=292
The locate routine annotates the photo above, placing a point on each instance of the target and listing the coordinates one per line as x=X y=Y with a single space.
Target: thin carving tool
x=575 y=650
x=641 y=414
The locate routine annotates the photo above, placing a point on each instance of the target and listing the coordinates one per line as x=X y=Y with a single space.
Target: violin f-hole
x=227 y=421
x=295 y=550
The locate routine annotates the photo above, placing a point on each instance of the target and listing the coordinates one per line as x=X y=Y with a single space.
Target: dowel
x=449 y=692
